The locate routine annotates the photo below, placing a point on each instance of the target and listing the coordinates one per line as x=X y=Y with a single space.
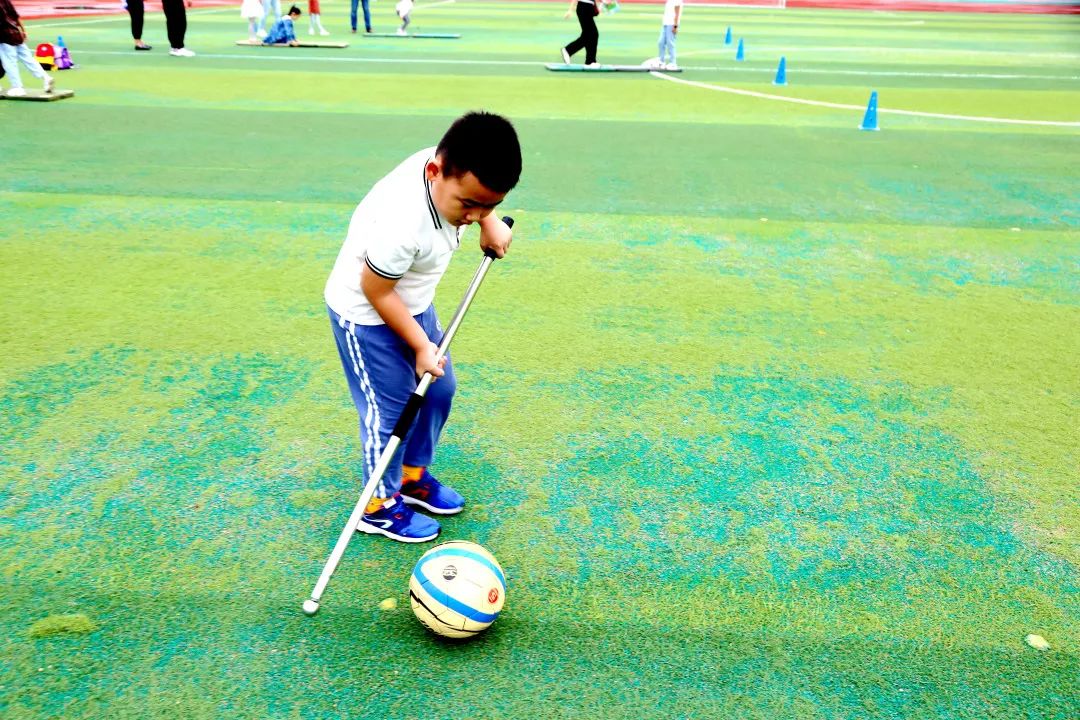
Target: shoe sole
x=373 y=530
x=431 y=508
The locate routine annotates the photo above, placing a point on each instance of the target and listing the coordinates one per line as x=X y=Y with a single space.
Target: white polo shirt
x=397 y=232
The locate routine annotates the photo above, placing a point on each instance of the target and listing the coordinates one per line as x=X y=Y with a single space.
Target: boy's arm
x=383 y=297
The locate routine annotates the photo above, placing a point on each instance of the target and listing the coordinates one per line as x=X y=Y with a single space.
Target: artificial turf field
x=764 y=416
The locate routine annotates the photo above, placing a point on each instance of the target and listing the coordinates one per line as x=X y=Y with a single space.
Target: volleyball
x=457 y=589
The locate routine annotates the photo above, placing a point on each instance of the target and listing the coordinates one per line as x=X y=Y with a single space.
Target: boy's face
x=461 y=200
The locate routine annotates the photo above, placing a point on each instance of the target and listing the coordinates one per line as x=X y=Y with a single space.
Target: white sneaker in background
x=324 y=31
x=50 y=81
x=17 y=92
x=260 y=34
x=181 y=52
x=401 y=31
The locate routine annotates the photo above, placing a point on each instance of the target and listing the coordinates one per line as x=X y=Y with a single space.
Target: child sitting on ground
x=403 y=8
x=13 y=50
x=283 y=31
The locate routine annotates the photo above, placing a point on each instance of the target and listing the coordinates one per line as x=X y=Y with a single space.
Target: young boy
x=400 y=241
x=283 y=31
x=13 y=50
x=668 y=30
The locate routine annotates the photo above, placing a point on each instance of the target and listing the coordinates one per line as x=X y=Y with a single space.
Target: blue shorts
x=381 y=371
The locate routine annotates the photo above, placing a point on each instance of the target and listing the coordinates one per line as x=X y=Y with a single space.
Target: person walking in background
x=367 y=14
x=252 y=11
x=403 y=8
x=272 y=10
x=587 y=10
x=136 y=12
x=13 y=50
x=315 y=18
x=669 y=28
x=176 y=26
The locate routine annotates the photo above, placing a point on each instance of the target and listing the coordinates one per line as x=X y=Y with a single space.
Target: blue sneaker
x=432 y=495
x=398 y=521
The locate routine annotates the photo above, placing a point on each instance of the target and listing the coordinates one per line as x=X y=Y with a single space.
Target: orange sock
x=375 y=504
x=411 y=473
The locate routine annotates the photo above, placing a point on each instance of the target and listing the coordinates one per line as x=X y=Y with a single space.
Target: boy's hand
x=495 y=235
x=425 y=361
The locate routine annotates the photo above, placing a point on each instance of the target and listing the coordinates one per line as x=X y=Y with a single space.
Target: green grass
x=764 y=416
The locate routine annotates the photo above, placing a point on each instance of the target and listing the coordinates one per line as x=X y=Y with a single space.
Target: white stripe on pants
x=372 y=420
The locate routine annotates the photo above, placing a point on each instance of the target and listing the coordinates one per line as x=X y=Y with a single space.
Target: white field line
x=911 y=50
x=533 y=63
x=884 y=73
x=843 y=106
x=285 y=54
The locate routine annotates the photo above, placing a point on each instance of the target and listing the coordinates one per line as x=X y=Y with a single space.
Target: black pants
x=135 y=10
x=586 y=17
x=175 y=21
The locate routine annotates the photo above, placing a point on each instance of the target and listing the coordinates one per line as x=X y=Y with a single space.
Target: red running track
x=39 y=9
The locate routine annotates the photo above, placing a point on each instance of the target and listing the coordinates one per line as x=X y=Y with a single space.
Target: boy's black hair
x=486 y=145
x=294 y=11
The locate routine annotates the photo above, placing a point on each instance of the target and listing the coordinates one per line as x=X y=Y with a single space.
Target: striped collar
x=435 y=219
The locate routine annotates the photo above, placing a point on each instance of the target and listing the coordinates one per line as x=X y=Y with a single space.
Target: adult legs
x=667 y=44
x=22 y=52
x=9 y=61
x=271 y=10
x=589 y=34
x=587 y=18
x=136 y=11
x=175 y=22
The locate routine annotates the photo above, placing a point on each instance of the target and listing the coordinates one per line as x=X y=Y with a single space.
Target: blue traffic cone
x=740 y=54
x=781 y=73
x=869 y=121
x=60 y=41
x=727 y=36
